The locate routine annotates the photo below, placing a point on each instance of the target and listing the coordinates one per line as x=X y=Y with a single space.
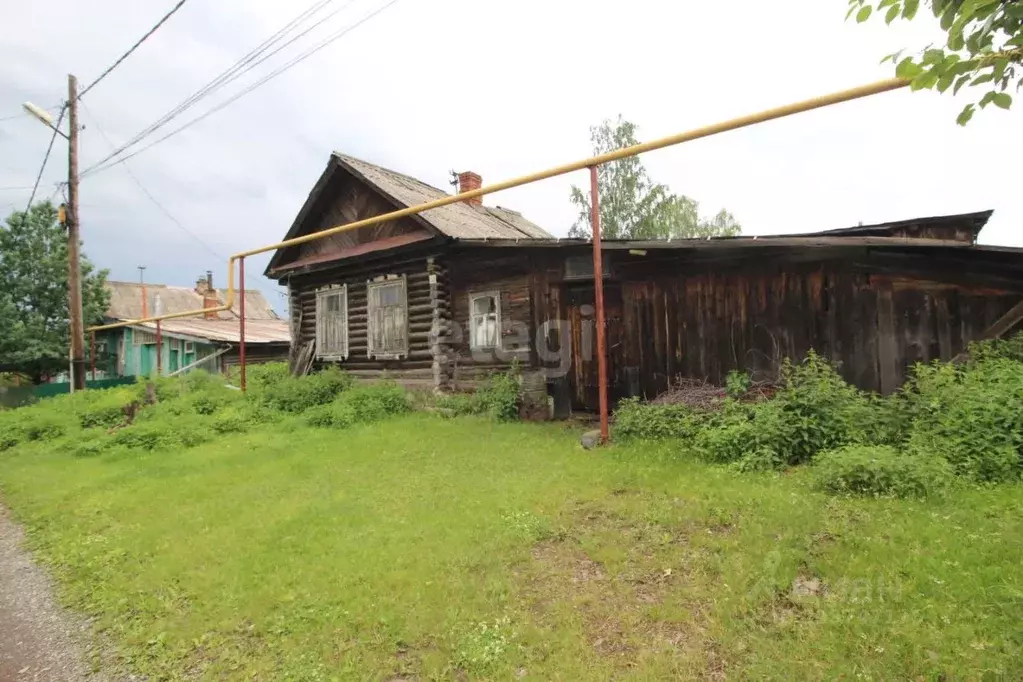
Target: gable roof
x=455 y=221
x=126 y=302
x=460 y=221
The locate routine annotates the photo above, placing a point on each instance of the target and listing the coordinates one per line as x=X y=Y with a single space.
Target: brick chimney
x=204 y=287
x=467 y=182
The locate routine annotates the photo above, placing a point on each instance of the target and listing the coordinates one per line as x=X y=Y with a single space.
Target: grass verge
x=426 y=548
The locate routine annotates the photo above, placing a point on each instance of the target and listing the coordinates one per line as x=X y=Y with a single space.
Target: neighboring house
x=442 y=298
x=209 y=340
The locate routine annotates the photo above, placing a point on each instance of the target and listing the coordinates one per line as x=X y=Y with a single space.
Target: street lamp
x=72 y=224
x=43 y=116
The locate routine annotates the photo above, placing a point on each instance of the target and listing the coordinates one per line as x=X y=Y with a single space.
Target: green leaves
x=966 y=114
x=34 y=328
x=632 y=206
x=984 y=46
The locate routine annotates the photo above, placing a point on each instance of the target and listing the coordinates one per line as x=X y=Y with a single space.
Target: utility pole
x=73 y=244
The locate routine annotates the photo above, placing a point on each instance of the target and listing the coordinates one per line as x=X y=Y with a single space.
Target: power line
x=149 y=195
x=232 y=73
x=133 y=47
x=46 y=158
x=97 y=167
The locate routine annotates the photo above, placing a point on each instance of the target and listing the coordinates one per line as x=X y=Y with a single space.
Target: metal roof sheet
x=126 y=301
x=227 y=331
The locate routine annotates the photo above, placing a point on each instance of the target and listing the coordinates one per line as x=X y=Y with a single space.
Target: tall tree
x=632 y=206
x=983 y=47
x=34 y=320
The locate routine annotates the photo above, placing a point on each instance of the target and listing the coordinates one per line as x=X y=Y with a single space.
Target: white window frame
x=473 y=296
x=189 y=346
x=379 y=283
x=142 y=337
x=322 y=294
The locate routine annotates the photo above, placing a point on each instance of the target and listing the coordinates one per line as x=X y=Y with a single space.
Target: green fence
x=16 y=396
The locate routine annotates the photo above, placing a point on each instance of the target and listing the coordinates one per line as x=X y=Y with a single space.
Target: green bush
x=759 y=460
x=971 y=418
x=298 y=394
x=260 y=377
x=728 y=435
x=145 y=436
x=91 y=445
x=635 y=419
x=817 y=411
x=230 y=421
x=103 y=408
x=737 y=384
x=497 y=397
x=359 y=405
x=880 y=470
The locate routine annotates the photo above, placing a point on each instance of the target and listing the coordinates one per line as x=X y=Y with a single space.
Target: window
x=332 y=323
x=142 y=337
x=189 y=346
x=388 y=321
x=485 y=320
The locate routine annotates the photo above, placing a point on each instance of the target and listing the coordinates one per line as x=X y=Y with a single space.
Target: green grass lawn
x=424 y=548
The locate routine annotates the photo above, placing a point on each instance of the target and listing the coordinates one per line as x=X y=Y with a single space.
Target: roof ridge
x=385 y=169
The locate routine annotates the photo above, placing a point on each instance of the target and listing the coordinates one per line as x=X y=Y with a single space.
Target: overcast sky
x=501 y=88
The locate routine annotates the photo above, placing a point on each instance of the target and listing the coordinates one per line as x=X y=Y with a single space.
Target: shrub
x=165 y=388
x=230 y=421
x=298 y=394
x=759 y=460
x=43 y=426
x=971 y=418
x=497 y=397
x=727 y=435
x=362 y=404
x=103 y=408
x=737 y=384
x=880 y=470
x=260 y=377
x=634 y=419
x=818 y=411
x=145 y=436
x=91 y=445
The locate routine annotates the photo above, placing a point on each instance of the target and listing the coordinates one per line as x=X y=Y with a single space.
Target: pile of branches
x=694 y=393
x=700 y=394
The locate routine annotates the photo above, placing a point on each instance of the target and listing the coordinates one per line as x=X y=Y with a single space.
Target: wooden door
x=583 y=373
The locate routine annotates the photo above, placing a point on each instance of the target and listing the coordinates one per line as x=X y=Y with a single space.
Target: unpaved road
x=36 y=635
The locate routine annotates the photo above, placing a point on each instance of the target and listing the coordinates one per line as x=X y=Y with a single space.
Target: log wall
x=428 y=312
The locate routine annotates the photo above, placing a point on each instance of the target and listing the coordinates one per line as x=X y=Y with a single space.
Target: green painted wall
x=140 y=359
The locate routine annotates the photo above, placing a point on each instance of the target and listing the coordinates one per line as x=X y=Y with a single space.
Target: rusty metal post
x=159 y=350
x=241 y=322
x=598 y=292
x=92 y=354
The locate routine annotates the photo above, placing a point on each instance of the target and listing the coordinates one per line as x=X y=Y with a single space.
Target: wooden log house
x=444 y=298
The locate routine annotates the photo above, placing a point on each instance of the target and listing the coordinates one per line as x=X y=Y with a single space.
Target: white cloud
x=502 y=89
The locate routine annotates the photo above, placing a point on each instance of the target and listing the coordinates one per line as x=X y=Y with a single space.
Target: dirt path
x=36 y=635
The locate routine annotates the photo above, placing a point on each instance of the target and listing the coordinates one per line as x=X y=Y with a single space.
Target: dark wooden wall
x=684 y=318
x=678 y=313
x=482 y=271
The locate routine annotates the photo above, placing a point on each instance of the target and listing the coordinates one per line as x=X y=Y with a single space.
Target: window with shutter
x=388 y=319
x=332 y=323
x=485 y=320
